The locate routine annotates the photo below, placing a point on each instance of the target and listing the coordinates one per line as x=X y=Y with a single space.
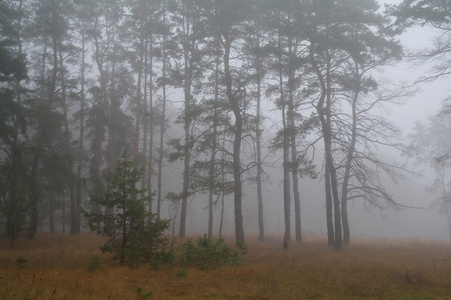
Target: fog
x=129 y=66
x=419 y=220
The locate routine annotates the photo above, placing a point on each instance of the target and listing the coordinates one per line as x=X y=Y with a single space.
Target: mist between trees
x=210 y=97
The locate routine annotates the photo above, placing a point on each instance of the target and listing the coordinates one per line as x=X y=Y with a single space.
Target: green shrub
x=21 y=263
x=141 y=294
x=209 y=254
x=95 y=264
x=182 y=272
x=165 y=257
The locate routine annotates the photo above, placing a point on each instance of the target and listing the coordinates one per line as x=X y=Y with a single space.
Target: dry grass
x=57 y=268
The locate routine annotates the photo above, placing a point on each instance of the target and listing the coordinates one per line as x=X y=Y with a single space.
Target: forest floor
x=56 y=267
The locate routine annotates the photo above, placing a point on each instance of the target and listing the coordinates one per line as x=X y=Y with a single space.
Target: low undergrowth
x=65 y=267
x=207 y=253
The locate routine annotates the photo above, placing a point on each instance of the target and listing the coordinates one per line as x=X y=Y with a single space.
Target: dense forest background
x=222 y=102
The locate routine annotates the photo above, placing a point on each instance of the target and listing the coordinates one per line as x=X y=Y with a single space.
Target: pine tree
x=133 y=234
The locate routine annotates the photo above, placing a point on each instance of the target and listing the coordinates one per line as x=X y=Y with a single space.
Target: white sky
x=430 y=96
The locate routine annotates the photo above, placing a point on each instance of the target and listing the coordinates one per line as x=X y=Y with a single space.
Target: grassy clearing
x=57 y=267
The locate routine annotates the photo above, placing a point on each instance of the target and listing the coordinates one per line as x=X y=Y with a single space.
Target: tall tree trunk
x=162 y=124
x=327 y=132
x=16 y=157
x=286 y=196
x=221 y=220
x=139 y=83
x=213 y=151
x=74 y=212
x=145 y=121
x=349 y=159
x=286 y=157
x=238 y=131
x=76 y=228
x=323 y=110
x=258 y=138
x=151 y=115
x=18 y=119
x=329 y=207
x=63 y=210
x=286 y=186
x=448 y=221
x=98 y=160
x=212 y=173
x=334 y=184
x=34 y=198
x=52 y=200
x=293 y=142
x=34 y=214
x=99 y=59
x=211 y=191
x=188 y=49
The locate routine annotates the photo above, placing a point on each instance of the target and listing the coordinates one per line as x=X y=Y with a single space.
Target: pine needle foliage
x=134 y=235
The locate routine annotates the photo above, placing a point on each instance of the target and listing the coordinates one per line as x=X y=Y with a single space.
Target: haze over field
x=226 y=105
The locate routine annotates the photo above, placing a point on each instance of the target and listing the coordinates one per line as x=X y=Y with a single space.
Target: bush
x=141 y=294
x=95 y=264
x=209 y=254
x=21 y=263
x=163 y=257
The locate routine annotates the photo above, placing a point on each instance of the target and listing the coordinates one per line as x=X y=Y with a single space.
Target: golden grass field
x=57 y=268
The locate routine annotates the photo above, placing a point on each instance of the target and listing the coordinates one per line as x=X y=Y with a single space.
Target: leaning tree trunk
x=349 y=159
x=327 y=132
x=323 y=110
x=234 y=103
